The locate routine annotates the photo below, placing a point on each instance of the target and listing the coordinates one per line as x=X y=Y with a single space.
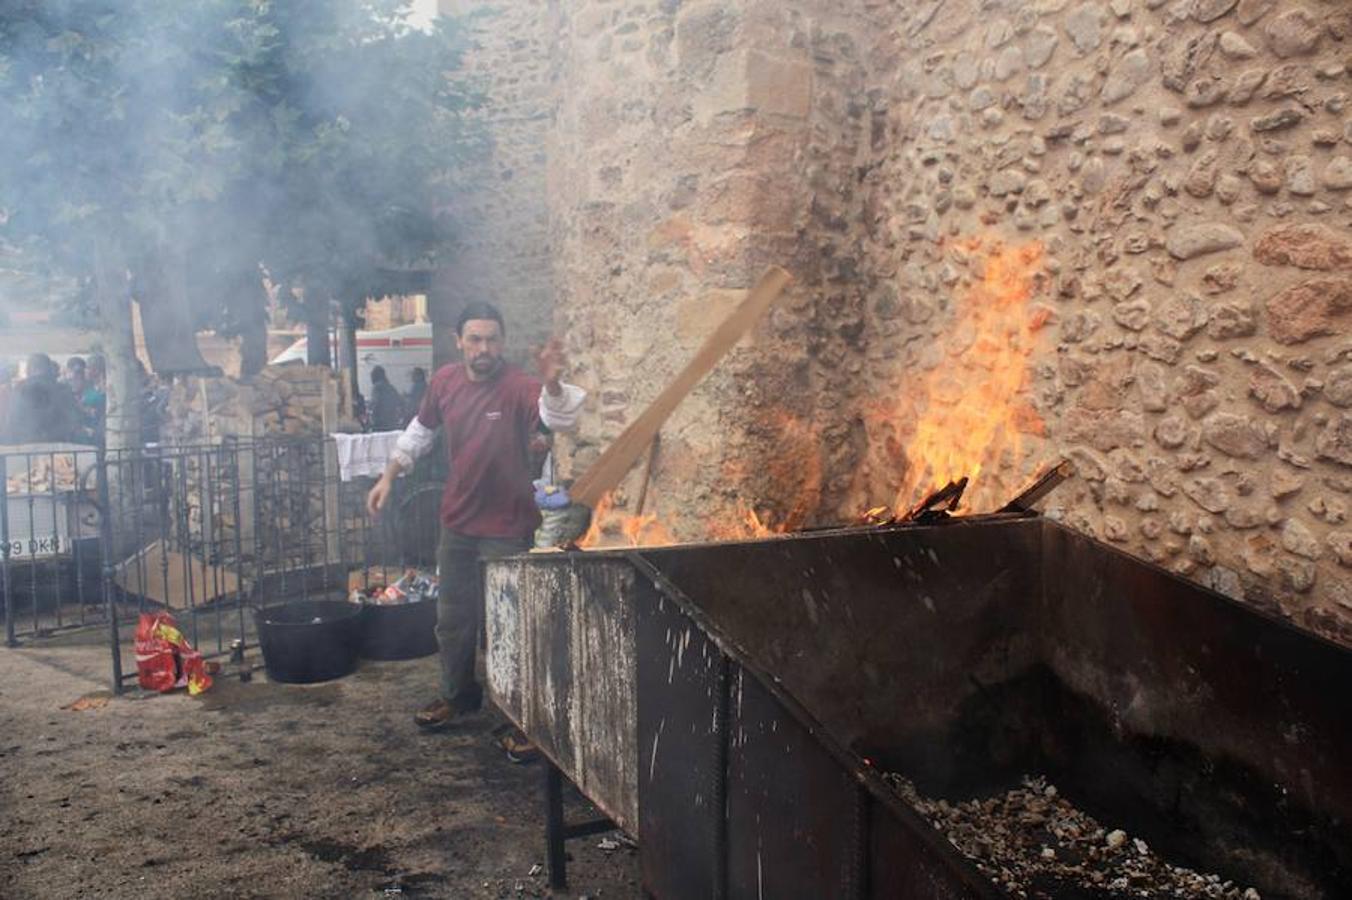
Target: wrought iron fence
x=89 y=538
x=50 y=555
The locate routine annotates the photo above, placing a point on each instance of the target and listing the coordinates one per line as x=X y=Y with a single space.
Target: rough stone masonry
x=1185 y=164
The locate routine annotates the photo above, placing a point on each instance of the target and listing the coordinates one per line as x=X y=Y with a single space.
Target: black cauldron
x=399 y=631
x=306 y=641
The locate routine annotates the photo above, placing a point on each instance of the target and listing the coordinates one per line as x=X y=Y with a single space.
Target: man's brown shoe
x=518 y=747
x=435 y=715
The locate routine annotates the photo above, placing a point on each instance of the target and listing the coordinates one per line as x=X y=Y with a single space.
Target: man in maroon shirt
x=488 y=411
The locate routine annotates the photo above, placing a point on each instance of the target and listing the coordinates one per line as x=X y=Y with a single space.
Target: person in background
x=94 y=400
x=488 y=412
x=413 y=399
x=76 y=376
x=154 y=405
x=43 y=410
x=361 y=411
x=77 y=379
x=387 y=407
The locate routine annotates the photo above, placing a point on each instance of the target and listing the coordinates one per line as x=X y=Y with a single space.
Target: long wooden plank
x=607 y=472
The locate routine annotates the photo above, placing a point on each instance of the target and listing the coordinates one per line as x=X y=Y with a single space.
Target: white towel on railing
x=364 y=455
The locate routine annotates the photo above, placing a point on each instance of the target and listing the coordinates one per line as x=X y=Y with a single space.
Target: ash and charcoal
x=1034 y=843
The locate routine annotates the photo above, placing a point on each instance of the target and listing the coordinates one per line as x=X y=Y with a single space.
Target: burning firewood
x=877 y=515
x=939 y=504
x=942 y=503
x=1046 y=482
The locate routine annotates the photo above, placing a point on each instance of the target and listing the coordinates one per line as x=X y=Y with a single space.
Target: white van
x=400 y=350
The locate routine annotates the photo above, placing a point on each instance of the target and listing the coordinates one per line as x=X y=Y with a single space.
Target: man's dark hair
x=76 y=364
x=378 y=375
x=40 y=366
x=419 y=374
x=478 y=311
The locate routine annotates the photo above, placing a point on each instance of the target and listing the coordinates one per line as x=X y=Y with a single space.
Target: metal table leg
x=557 y=831
x=558 y=861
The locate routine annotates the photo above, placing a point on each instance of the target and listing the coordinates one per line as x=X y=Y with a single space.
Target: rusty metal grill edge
x=744 y=685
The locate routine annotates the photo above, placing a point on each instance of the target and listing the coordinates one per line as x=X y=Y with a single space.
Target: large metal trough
x=731 y=705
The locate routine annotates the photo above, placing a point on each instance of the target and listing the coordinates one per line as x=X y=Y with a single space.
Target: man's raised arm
x=560 y=402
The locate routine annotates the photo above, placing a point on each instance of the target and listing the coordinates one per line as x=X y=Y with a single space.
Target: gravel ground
x=1034 y=843
x=264 y=790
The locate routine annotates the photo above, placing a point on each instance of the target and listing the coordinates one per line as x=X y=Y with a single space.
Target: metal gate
x=92 y=539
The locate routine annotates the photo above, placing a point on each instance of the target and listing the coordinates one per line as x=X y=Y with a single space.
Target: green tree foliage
x=198 y=145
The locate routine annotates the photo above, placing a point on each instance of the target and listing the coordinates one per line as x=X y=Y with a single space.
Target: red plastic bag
x=156 y=668
x=164 y=658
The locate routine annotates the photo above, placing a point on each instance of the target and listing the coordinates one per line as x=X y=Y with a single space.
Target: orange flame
x=599 y=516
x=747 y=524
x=974 y=410
x=793 y=473
x=967 y=417
x=612 y=528
x=646 y=531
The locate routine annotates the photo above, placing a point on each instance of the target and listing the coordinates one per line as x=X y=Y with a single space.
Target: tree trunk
x=253 y=339
x=347 y=348
x=166 y=316
x=317 y=330
x=123 y=387
x=122 y=398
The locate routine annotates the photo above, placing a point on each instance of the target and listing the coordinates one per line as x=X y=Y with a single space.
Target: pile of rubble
x=59 y=471
x=1030 y=840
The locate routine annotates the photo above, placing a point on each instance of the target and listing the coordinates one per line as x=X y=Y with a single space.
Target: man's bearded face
x=481 y=344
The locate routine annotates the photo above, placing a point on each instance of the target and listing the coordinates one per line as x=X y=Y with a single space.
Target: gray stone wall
x=1177 y=175
x=501 y=206
x=1185 y=168
x=674 y=185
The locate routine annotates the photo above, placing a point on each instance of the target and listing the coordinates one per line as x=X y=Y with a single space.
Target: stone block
x=1338 y=174
x=676 y=230
x=1133 y=71
x=1338 y=387
x=1340 y=545
x=1334 y=443
x=778 y=86
x=1103 y=430
x=1231 y=320
x=1181 y=316
x=1295 y=32
x=759 y=82
x=1085 y=26
x=1310 y=309
x=1306 y=245
x=750 y=199
x=1251 y=11
x=1236 y=47
x=1233 y=435
x=1210 y=494
x=1200 y=238
x=704 y=32
x=1297 y=539
x=664 y=281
